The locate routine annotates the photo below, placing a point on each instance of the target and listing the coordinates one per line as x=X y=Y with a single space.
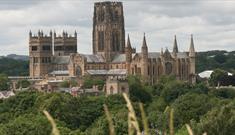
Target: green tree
x=4 y=82
x=89 y=82
x=219 y=121
x=23 y=84
x=220 y=58
x=65 y=84
x=172 y=90
x=27 y=125
x=137 y=91
x=217 y=77
x=190 y=106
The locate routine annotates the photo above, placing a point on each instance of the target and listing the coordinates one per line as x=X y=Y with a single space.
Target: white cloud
x=211 y=22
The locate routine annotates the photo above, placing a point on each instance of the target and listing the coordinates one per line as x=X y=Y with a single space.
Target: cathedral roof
x=60 y=72
x=154 y=54
x=182 y=55
x=61 y=60
x=119 y=58
x=108 y=72
x=93 y=58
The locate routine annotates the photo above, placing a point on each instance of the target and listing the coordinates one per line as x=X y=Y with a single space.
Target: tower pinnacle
x=144 y=45
x=175 y=46
x=191 y=48
x=128 y=44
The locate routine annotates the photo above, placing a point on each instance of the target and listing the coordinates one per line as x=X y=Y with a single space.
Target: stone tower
x=192 y=55
x=65 y=45
x=40 y=53
x=108 y=29
x=144 y=59
x=128 y=53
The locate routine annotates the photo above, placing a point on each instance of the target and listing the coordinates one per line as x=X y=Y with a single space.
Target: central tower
x=108 y=29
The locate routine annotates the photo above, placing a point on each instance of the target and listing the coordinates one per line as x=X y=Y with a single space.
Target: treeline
x=211 y=60
x=204 y=109
x=12 y=67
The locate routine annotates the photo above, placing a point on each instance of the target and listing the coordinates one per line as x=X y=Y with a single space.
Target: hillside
x=215 y=59
x=12 y=67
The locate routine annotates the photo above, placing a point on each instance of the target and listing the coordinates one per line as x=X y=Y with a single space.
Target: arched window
x=111 y=90
x=78 y=71
x=168 y=68
x=123 y=89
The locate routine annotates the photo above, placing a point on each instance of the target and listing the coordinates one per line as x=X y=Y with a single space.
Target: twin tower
x=108 y=35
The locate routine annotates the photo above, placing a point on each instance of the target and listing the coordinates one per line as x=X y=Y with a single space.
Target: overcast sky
x=212 y=22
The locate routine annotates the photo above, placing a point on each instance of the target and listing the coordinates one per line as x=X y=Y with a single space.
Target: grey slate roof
x=182 y=55
x=158 y=54
x=97 y=72
x=154 y=54
x=93 y=58
x=60 y=72
x=117 y=72
x=108 y=72
x=61 y=60
x=119 y=58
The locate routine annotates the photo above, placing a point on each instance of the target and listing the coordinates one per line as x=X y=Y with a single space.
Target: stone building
x=111 y=56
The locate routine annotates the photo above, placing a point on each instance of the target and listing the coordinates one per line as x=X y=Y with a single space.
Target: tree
x=23 y=84
x=172 y=90
x=218 y=121
x=190 y=106
x=218 y=77
x=137 y=91
x=65 y=84
x=220 y=58
x=89 y=82
x=224 y=93
x=27 y=125
x=4 y=82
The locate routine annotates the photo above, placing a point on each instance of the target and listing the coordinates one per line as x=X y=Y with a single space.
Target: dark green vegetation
x=12 y=67
x=204 y=109
x=221 y=77
x=4 y=82
x=215 y=59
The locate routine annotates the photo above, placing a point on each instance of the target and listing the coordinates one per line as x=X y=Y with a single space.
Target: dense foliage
x=221 y=78
x=4 y=82
x=13 y=67
x=215 y=59
x=205 y=109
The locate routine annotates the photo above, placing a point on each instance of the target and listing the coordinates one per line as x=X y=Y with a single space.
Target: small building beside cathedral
x=56 y=55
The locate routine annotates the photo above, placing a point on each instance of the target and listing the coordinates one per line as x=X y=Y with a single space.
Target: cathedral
x=56 y=55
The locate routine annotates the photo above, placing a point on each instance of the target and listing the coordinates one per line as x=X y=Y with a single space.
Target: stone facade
x=111 y=56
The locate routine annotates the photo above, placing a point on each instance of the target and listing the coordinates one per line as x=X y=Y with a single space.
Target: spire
x=75 y=33
x=30 y=33
x=161 y=51
x=144 y=49
x=51 y=33
x=175 y=46
x=39 y=33
x=191 y=48
x=166 y=51
x=54 y=33
x=144 y=42
x=128 y=44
